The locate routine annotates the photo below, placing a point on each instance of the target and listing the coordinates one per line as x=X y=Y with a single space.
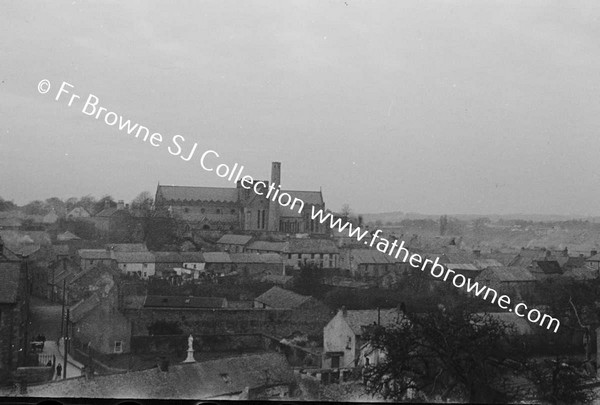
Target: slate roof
x=309 y=197
x=216 y=257
x=65 y=236
x=267 y=246
x=231 y=239
x=107 y=212
x=198 y=381
x=357 y=319
x=160 y=301
x=484 y=263
x=9 y=282
x=579 y=273
x=462 y=266
x=506 y=274
x=133 y=257
x=127 y=247
x=83 y=307
x=184 y=193
x=266 y=258
x=277 y=297
x=24 y=250
x=168 y=257
x=276 y=279
x=79 y=212
x=312 y=246
x=94 y=254
x=192 y=257
x=595 y=258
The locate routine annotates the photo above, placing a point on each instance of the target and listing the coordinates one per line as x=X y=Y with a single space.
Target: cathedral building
x=242 y=208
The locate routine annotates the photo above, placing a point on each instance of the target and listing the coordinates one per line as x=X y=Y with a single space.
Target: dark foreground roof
x=199 y=381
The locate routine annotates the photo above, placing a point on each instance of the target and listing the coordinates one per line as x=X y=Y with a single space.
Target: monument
x=190 y=351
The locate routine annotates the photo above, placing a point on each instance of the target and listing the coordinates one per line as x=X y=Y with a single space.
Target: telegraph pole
x=66 y=353
x=62 y=316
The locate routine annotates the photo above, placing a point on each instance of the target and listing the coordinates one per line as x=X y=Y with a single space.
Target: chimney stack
x=273 y=217
x=120 y=205
x=548 y=253
x=593 y=252
x=344 y=311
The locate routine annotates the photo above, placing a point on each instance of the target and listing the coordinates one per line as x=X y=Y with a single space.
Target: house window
x=232 y=212
x=218 y=211
x=202 y=210
x=145 y=265
x=186 y=210
x=118 y=346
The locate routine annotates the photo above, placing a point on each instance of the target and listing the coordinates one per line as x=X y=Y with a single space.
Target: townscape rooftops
x=185 y=193
x=161 y=301
x=198 y=381
x=278 y=297
x=9 y=282
x=231 y=239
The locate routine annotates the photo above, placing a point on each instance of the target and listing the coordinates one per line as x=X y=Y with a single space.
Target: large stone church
x=240 y=208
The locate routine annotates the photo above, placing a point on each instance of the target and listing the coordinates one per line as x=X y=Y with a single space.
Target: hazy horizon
x=428 y=107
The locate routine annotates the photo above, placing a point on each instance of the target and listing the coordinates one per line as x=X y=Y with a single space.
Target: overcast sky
x=436 y=107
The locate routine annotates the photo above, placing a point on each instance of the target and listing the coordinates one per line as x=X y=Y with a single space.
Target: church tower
x=274 y=207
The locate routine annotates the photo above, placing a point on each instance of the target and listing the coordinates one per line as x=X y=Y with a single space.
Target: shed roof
x=231 y=239
x=278 y=297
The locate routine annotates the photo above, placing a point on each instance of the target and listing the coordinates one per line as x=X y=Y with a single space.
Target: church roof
x=309 y=197
x=183 y=193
